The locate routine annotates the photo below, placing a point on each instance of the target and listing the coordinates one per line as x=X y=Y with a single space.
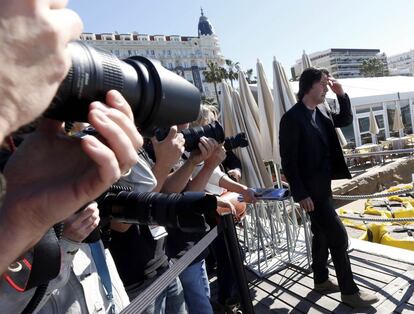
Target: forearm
x=296 y=186
x=345 y=117
x=290 y=169
x=231 y=185
x=177 y=181
x=289 y=140
x=201 y=179
x=161 y=173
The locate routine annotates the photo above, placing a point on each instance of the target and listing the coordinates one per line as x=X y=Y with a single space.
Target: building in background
x=186 y=55
x=341 y=63
x=401 y=64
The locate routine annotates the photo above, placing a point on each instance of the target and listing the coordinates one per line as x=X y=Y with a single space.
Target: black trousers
x=329 y=235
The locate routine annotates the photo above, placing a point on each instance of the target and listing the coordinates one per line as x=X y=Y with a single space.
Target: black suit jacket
x=303 y=150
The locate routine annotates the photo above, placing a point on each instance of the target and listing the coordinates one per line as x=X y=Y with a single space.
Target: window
x=152 y=53
x=349 y=133
x=374 y=107
x=380 y=121
x=363 y=124
x=406 y=117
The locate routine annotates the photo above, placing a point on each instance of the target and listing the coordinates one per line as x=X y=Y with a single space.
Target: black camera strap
x=50 y=242
x=46 y=260
x=37 y=266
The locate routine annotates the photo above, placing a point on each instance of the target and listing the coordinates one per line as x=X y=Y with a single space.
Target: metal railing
x=148 y=296
x=275 y=234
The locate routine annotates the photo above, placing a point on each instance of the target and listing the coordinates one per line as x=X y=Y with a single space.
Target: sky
x=262 y=29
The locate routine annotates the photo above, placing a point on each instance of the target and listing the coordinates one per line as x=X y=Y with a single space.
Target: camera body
x=212 y=130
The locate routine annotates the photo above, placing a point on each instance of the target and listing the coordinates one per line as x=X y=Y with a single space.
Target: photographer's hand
x=248 y=195
x=225 y=207
x=216 y=158
x=34 y=57
x=78 y=226
x=167 y=153
x=233 y=186
x=206 y=147
x=235 y=174
x=51 y=175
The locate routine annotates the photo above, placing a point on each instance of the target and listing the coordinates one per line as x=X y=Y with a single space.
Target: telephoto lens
x=152 y=91
x=192 y=135
x=236 y=141
x=184 y=211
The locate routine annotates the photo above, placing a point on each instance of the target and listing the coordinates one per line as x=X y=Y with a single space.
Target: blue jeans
x=196 y=289
x=171 y=300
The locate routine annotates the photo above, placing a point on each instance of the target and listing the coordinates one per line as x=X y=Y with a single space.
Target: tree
x=214 y=74
x=249 y=74
x=209 y=101
x=373 y=67
x=232 y=69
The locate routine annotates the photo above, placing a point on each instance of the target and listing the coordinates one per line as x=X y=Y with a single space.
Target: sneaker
x=329 y=285
x=359 y=299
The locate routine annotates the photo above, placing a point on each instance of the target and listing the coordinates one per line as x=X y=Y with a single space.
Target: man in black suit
x=311 y=158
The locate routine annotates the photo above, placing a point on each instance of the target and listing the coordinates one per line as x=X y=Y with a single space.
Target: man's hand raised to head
x=335 y=86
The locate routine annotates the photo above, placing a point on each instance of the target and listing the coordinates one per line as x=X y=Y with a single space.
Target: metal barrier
x=142 y=301
x=275 y=234
x=368 y=196
x=381 y=153
x=274 y=237
x=374 y=219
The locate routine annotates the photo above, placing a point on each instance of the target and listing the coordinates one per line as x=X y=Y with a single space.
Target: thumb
x=173 y=132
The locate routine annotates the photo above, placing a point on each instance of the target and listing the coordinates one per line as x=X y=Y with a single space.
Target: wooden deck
x=387 y=271
x=292 y=291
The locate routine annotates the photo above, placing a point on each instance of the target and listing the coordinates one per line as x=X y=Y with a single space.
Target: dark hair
x=308 y=78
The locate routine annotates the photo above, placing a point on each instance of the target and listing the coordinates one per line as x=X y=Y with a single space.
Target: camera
x=152 y=91
x=236 y=141
x=177 y=210
x=183 y=211
x=212 y=130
